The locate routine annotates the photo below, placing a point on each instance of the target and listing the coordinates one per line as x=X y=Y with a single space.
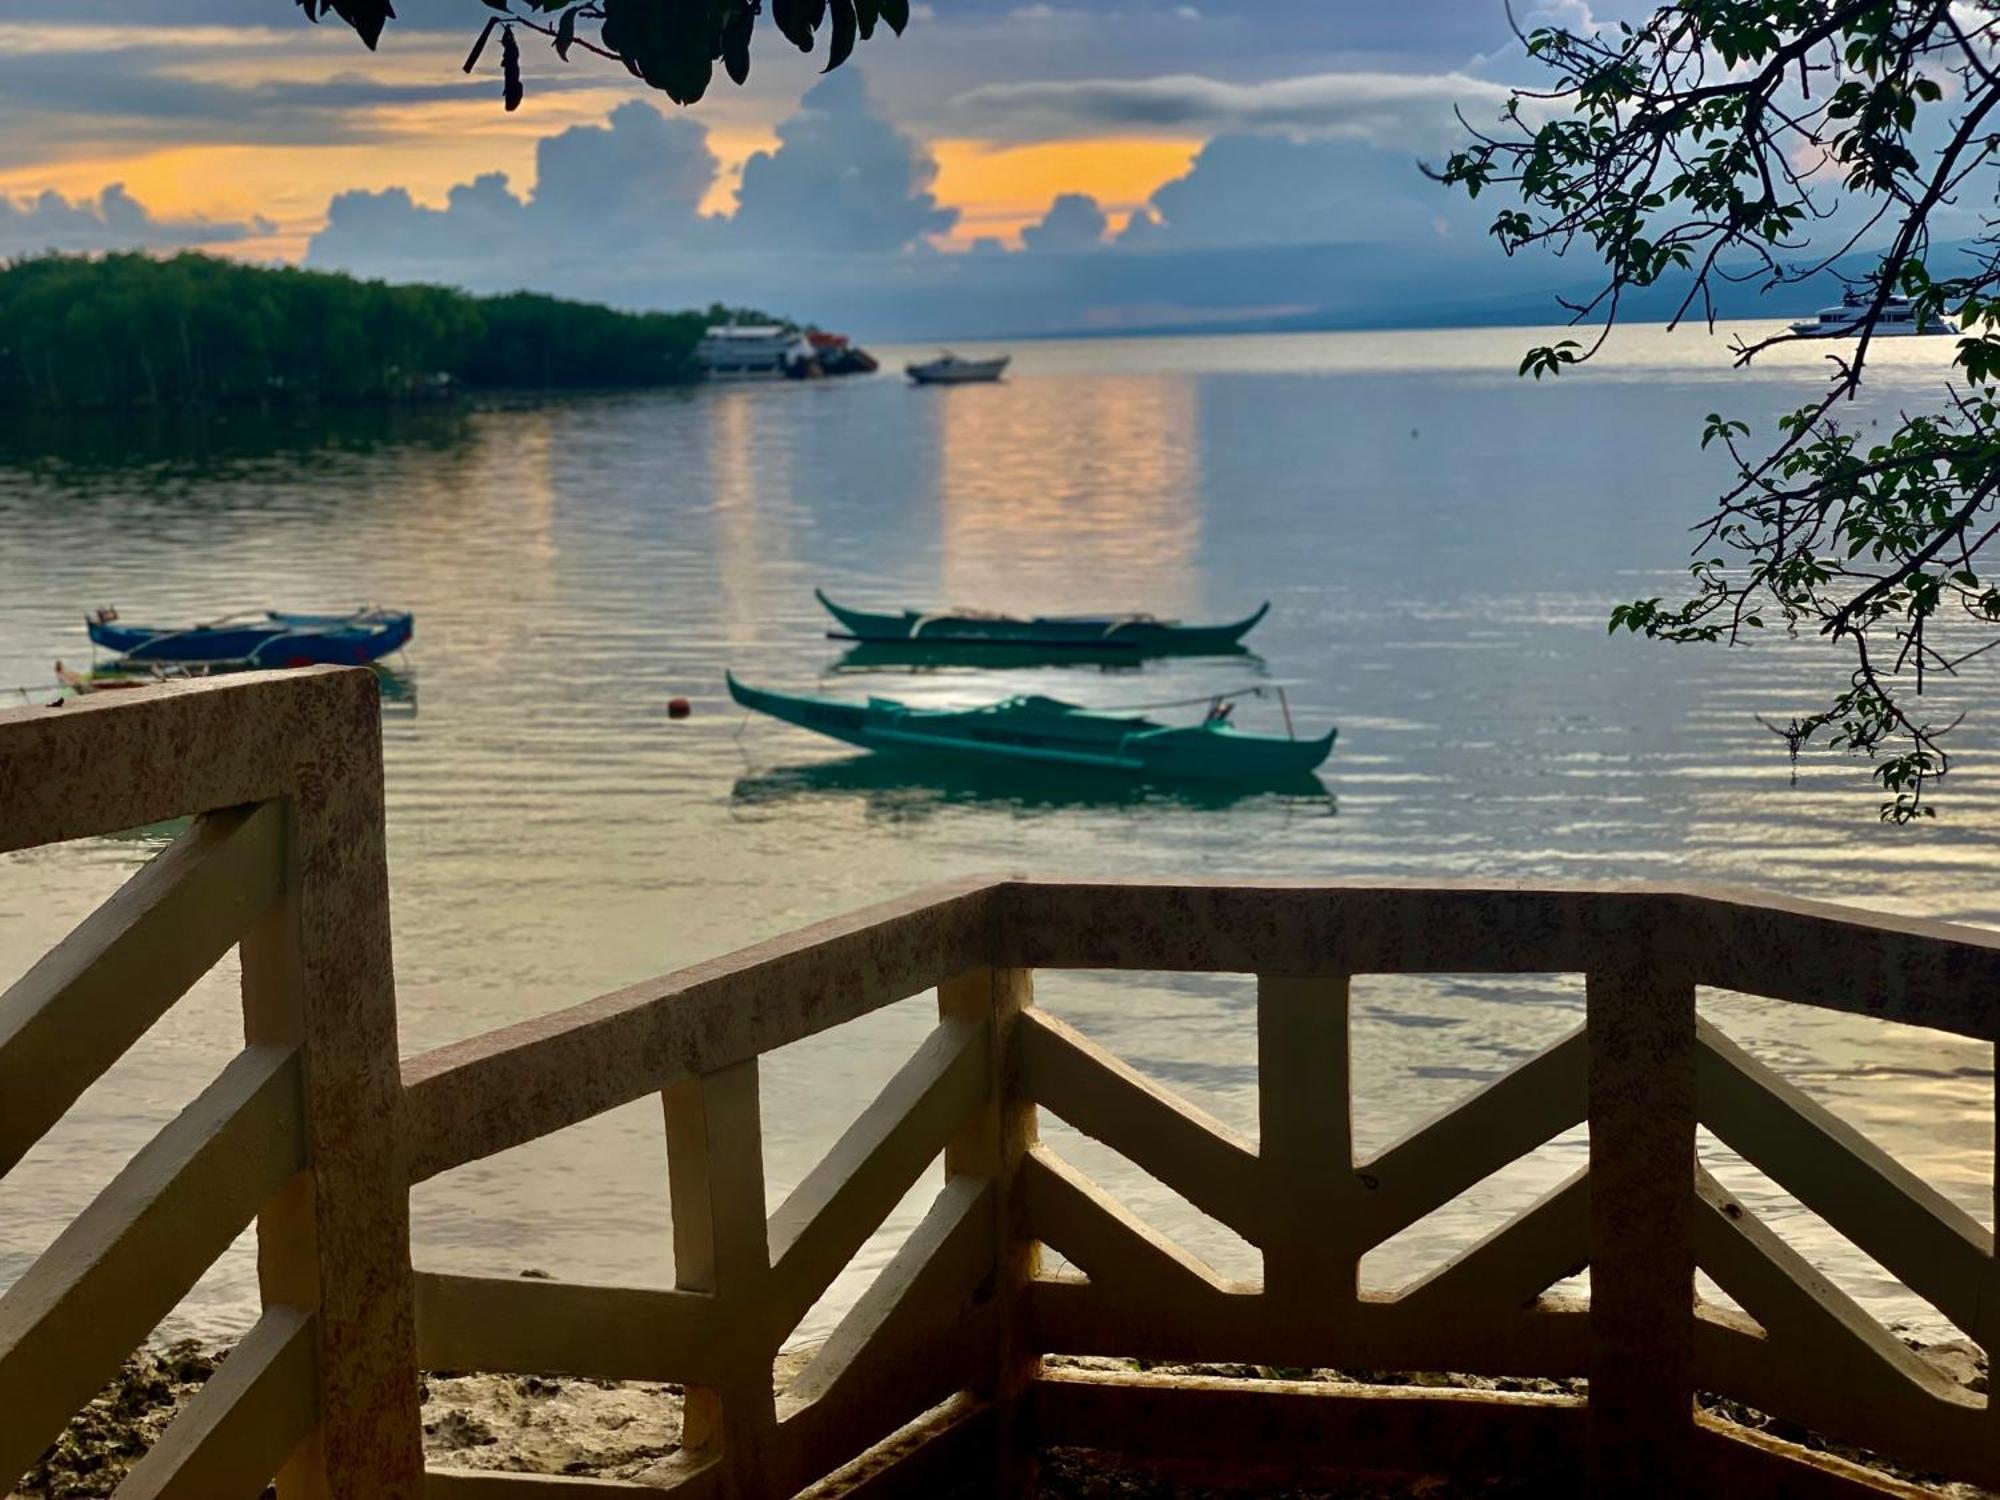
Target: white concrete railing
x=318 y=1132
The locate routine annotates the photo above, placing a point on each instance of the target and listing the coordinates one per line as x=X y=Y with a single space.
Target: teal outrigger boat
x=1048 y=730
x=1132 y=635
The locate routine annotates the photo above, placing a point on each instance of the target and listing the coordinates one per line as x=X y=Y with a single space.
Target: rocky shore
x=627 y=1430
x=612 y=1429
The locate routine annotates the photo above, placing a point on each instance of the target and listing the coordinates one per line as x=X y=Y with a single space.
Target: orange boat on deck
x=837 y=354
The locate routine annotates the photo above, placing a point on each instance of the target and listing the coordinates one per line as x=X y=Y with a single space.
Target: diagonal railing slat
x=843 y=1200
x=92 y=996
x=125 y=1261
x=1073 y=1215
x=1165 y=1136
x=924 y=1459
x=1822 y=1360
x=1523 y=1109
x=1508 y=1269
x=1934 y=1247
x=916 y=1336
x=240 y=1426
x=1793 y=1301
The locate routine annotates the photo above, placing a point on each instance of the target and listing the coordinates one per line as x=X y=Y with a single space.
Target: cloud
x=1074 y=222
x=1143 y=228
x=611 y=200
x=835 y=223
x=92 y=78
x=1249 y=189
x=631 y=185
x=98 y=89
x=841 y=179
x=639 y=170
x=1408 y=110
x=114 y=220
x=389 y=234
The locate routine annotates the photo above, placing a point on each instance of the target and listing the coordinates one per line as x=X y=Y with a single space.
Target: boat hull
x=869 y=656
x=958 y=372
x=1041 y=731
x=1811 y=330
x=891 y=781
x=1132 y=635
x=276 y=640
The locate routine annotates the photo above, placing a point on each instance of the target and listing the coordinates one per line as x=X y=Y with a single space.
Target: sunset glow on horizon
x=1001 y=166
x=996 y=188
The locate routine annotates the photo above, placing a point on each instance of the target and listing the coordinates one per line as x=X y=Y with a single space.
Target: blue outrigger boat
x=1134 y=635
x=1048 y=730
x=267 y=638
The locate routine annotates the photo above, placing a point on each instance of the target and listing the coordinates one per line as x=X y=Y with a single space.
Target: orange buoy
x=679 y=708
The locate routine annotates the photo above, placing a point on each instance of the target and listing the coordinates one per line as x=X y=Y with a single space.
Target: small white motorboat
x=949 y=369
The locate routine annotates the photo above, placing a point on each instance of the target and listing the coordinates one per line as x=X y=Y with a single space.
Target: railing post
x=715 y=1177
x=1306 y=1146
x=993 y=1144
x=1641 y=1040
x=318 y=973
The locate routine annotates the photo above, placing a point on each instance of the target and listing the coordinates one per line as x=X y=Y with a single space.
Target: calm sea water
x=1441 y=542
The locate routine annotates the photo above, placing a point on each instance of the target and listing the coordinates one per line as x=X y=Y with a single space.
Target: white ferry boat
x=750 y=351
x=1898 y=320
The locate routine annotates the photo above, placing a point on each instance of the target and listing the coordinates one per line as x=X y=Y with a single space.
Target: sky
x=1002 y=168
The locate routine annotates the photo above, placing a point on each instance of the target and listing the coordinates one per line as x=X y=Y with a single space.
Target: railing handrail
x=978 y=920
x=108 y=762
x=475 y=1097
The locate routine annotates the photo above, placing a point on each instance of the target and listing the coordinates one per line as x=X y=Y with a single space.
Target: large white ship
x=1898 y=320
x=750 y=351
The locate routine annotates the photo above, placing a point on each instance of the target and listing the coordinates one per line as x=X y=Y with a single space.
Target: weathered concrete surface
x=318 y=975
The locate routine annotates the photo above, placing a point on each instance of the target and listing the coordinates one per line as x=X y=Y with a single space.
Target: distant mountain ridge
x=1535 y=301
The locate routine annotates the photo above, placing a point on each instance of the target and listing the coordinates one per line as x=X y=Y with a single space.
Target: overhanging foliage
x=1789 y=133
x=673 y=45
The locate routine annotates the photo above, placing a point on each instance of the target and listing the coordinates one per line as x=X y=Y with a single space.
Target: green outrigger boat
x=1048 y=730
x=1133 y=635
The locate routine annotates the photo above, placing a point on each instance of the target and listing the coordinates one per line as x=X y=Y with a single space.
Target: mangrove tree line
x=80 y=334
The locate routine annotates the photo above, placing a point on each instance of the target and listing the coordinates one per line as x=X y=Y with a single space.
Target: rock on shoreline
x=629 y=1430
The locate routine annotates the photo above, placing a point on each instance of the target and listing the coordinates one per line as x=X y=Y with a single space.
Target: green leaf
x=793 y=23
x=510 y=70
x=845 y=26
x=736 y=30
x=672 y=47
x=367 y=17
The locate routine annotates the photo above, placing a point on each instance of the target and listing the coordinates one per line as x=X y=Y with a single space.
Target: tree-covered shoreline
x=122 y=332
